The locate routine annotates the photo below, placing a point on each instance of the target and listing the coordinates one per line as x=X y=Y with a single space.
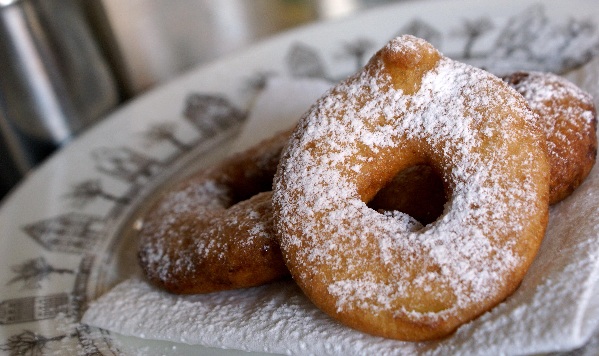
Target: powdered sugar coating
x=351 y=260
x=566 y=114
x=214 y=230
x=161 y=226
x=540 y=89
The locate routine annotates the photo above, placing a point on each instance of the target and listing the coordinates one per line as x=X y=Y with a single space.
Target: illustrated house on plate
x=21 y=310
x=211 y=114
x=69 y=233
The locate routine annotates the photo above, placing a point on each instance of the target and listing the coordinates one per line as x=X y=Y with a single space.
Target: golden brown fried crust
x=213 y=231
x=567 y=116
x=377 y=273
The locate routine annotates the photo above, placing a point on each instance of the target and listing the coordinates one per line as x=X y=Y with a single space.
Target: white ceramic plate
x=63 y=232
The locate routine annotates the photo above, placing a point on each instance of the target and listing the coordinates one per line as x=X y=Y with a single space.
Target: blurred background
x=67 y=63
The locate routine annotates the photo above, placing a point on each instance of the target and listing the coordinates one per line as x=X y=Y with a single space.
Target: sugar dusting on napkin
x=553 y=310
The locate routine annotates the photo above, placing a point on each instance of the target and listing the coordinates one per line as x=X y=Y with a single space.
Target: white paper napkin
x=553 y=310
x=278 y=108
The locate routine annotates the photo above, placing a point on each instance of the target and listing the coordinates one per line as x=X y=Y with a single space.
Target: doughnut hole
x=244 y=184
x=244 y=177
x=417 y=191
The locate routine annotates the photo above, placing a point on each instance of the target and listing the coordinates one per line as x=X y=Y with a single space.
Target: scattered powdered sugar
x=196 y=223
x=457 y=114
x=567 y=112
x=553 y=309
x=162 y=228
x=541 y=87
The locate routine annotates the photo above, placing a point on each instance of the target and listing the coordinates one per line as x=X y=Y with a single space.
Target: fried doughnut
x=567 y=116
x=214 y=231
x=384 y=274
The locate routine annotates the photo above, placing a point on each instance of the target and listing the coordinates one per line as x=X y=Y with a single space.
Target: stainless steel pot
x=54 y=81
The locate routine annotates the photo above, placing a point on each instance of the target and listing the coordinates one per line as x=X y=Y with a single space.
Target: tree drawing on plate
x=165 y=132
x=529 y=40
x=305 y=61
x=473 y=30
x=424 y=30
x=90 y=342
x=125 y=163
x=85 y=192
x=32 y=272
x=533 y=41
x=28 y=343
